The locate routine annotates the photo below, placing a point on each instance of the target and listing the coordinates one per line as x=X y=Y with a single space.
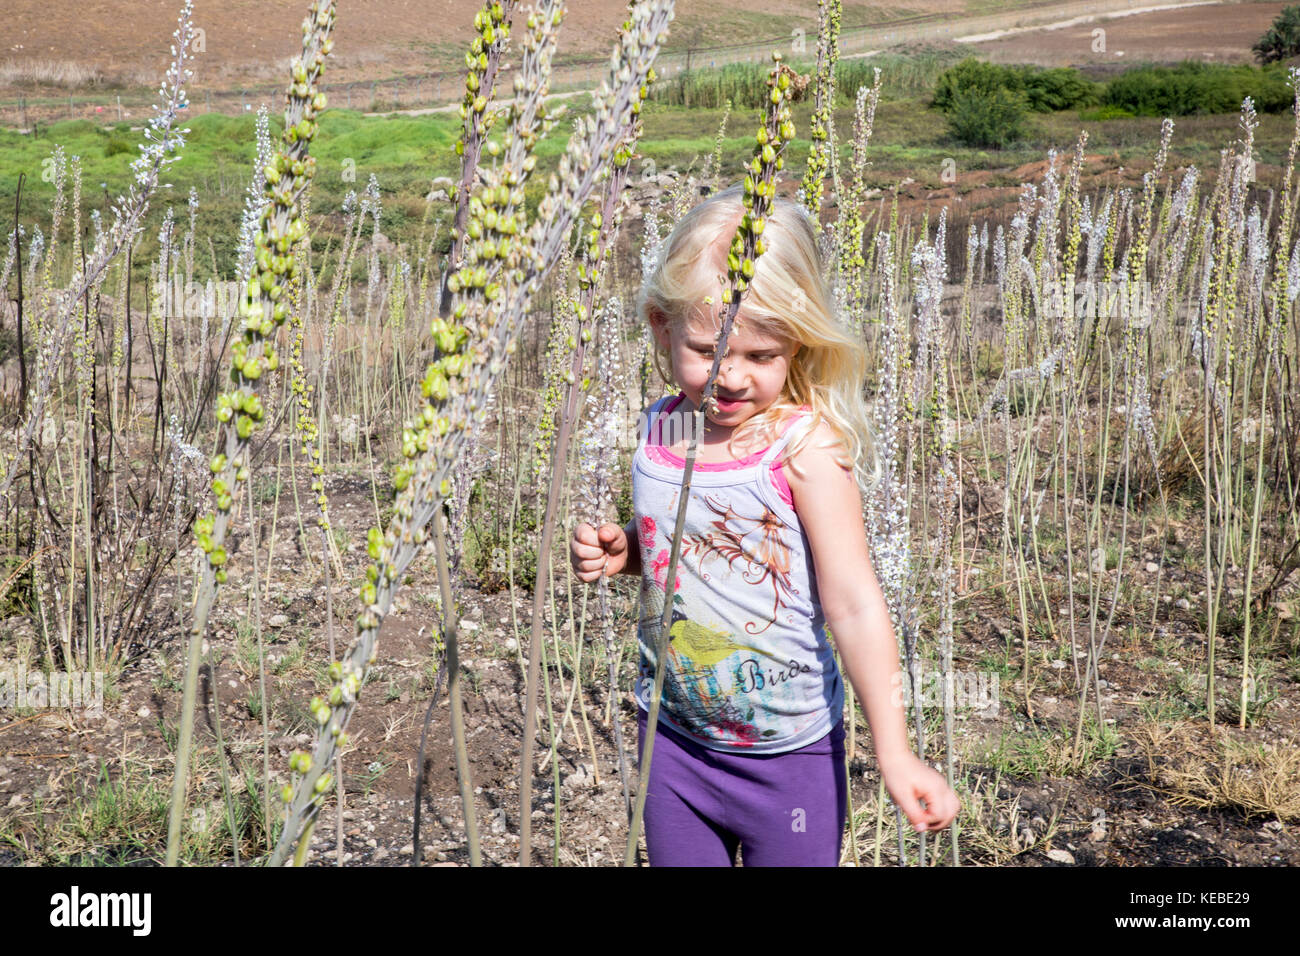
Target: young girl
x=749 y=751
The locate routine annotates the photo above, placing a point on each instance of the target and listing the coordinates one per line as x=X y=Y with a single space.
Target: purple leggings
x=785 y=809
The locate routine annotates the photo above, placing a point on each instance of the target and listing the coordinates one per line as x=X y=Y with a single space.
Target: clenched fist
x=596 y=554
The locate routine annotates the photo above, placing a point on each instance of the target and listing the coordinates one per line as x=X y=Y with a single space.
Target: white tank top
x=750 y=668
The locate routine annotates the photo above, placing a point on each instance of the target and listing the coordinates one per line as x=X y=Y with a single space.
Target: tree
x=1282 y=39
x=991 y=118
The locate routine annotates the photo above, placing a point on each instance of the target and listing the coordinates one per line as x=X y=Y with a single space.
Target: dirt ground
x=248 y=40
x=1220 y=33
x=50 y=762
x=392 y=54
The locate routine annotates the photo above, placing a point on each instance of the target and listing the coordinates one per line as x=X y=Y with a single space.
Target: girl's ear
x=659 y=327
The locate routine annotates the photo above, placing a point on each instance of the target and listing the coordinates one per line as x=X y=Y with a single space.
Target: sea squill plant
x=506 y=260
x=746 y=247
x=308 y=431
x=888 y=509
x=1281 y=294
x=554 y=371
x=598 y=451
x=849 y=223
x=929 y=391
x=163 y=142
x=820 y=155
x=264 y=309
x=598 y=246
x=483 y=63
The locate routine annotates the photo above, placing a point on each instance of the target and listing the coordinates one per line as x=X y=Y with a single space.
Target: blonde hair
x=787 y=299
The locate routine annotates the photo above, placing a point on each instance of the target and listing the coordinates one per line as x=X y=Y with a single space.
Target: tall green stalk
x=240 y=410
x=599 y=240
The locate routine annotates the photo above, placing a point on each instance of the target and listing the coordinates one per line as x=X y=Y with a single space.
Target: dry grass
x=994 y=830
x=72 y=75
x=1256 y=778
x=64 y=73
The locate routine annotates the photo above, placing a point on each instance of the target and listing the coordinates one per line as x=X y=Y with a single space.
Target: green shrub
x=1198 y=88
x=116 y=145
x=1043 y=90
x=987 y=118
x=1059 y=88
x=1282 y=39
x=970 y=75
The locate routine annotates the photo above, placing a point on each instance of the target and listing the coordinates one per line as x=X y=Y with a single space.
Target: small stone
x=469 y=625
x=1152 y=567
x=581 y=777
x=499 y=821
x=142 y=712
x=1061 y=856
x=510 y=644
x=277 y=620
x=1183 y=603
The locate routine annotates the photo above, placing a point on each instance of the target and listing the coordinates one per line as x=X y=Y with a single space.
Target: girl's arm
x=830 y=510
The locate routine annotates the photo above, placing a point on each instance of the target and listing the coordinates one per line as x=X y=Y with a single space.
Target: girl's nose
x=730 y=376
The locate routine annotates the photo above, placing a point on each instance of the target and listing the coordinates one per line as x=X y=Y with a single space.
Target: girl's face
x=750 y=378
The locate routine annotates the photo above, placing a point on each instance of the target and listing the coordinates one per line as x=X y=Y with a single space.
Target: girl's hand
x=910 y=782
x=595 y=554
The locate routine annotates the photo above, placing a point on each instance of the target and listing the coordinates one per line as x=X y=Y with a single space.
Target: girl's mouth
x=728 y=404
